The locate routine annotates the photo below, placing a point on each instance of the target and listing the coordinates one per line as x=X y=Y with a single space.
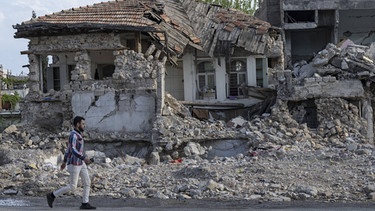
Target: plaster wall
x=220 y=76
x=189 y=82
x=125 y=103
x=115 y=112
x=251 y=71
x=358 y=24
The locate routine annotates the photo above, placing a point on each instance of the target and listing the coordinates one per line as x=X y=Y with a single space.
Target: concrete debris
x=272 y=157
x=345 y=60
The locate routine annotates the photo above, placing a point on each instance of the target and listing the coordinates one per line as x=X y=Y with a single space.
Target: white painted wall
x=174 y=81
x=220 y=77
x=132 y=113
x=251 y=71
x=189 y=77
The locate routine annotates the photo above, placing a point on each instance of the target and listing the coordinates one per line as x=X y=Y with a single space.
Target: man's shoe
x=87 y=206
x=50 y=199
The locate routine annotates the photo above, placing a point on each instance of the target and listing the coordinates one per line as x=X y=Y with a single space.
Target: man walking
x=76 y=160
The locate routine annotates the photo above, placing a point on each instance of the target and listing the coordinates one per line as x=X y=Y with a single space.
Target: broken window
x=103 y=64
x=304 y=112
x=70 y=69
x=206 y=80
x=133 y=41
x=237 y=76
x=51 y=73
x=56 y=78
x=104 y=71
x=261 y=72
x=299 y=16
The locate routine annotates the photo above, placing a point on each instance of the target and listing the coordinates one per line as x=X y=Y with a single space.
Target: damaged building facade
x=309 y=25
x=329 y=62
x=112 y=62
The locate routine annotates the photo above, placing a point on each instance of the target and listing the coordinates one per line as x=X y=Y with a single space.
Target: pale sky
x=14 y=12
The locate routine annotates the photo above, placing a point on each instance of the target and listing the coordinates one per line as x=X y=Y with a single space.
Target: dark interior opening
x=299 y=16
x=304 y=112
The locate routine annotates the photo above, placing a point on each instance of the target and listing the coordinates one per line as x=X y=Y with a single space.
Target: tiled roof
x=183 y=21
x=120 y=12
x=221 y=28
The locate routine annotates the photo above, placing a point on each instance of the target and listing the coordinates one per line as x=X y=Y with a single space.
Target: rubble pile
x=344 y=61
x=285 y=160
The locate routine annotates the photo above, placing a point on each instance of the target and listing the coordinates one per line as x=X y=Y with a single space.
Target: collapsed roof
x=174 y=24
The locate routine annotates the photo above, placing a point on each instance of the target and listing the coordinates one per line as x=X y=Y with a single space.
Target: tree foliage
x=247 y=6
x=13 y=99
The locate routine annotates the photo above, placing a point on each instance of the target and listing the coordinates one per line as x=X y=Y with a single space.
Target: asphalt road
x=102 y=203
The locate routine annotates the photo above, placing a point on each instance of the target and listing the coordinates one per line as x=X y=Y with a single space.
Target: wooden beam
x=150 y=50
x=157 y=54
x=138 y=42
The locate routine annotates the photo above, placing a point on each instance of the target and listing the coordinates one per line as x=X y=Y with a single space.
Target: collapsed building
x=329 y=57
x=309 y=26
x=113 y=62
x=116 y=75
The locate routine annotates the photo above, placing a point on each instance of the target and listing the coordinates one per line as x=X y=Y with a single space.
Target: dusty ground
x=282 y=161
x=277 y=175
x=103 y=203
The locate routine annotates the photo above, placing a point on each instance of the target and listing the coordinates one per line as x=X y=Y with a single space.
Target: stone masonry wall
x=339 y=118
x=125 y=104
x=75 y=43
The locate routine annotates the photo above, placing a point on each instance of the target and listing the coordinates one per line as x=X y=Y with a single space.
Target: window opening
x=206 y=80
x=259 y=72
x=237 y=77
x=70 y=70
x=56 y=78
x=299 y=16
x=104 y=71
x=304 y=112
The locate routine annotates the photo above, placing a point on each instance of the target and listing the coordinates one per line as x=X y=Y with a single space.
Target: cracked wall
x=116 y=111
x=126 y=102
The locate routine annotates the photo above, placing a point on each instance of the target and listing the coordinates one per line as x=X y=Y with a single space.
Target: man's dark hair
x=77 y=120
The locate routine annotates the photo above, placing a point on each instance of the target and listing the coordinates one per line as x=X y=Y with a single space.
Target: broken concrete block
x=344 y=44
x=11 y=129
x=309 y=80
x=154 y=158
x=325 y=79
x=323 y=57
x=306 y=71
x=344 y=65
x=237 y=122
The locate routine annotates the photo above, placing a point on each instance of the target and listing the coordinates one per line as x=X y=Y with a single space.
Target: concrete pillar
x=161 y=89
x=35 y=75
x=189 y=77
x=83 y=68
x=251 y=71
x=220 y=78
x=63 y=70
x=336 y=27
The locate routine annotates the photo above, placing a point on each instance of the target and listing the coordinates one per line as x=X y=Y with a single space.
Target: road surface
x=70 y=203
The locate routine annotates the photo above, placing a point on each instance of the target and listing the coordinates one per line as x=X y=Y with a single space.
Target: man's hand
x=63 y=165
x=87 y=160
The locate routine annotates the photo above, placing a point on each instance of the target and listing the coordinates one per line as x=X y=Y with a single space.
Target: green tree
x=247 y=6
